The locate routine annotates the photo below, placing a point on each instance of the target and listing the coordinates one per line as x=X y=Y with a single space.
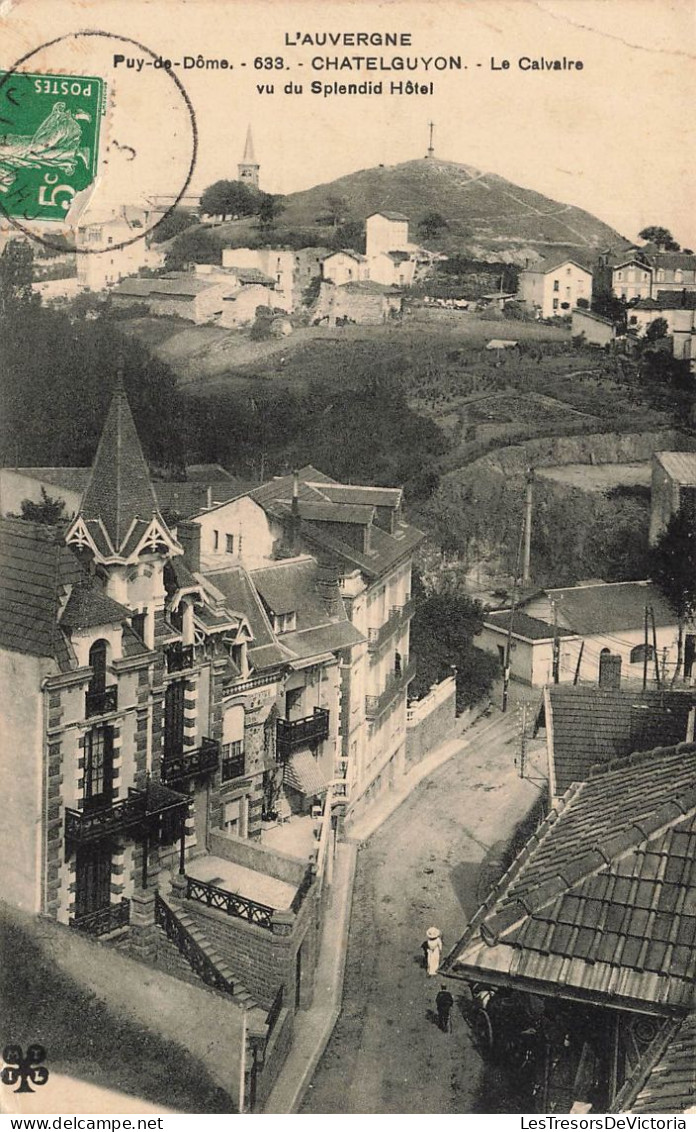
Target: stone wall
x=254 y=856
x=262 y=959
x=430 y=721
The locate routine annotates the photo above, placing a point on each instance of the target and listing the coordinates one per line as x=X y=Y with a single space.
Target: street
x=387 y=1054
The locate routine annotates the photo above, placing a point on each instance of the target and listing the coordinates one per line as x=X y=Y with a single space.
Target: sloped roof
x=291 y=587
x=601 y=902
x=670 y=260
x=302 y=773
x=681 y=466
x=530 y=628
x=668 y=301
x=610 y=607
x=357 y=256
x=590 y=725
x=252 y=275
x=385 y=549
x=368 y=287
x=389 y=215
x=358 y=493
x=119 y=489
x=35 y=566
x=336 y=512
x=326 y=638
x=73 y=479
x=670 y=1086
x=281 y=487
x=88 y=606
x=553 y=264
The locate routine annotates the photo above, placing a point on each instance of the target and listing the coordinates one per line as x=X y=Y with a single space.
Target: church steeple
x=248 y=168
x=119 y=514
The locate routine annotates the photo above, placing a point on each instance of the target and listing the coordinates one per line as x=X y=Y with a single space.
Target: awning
x=302 y=773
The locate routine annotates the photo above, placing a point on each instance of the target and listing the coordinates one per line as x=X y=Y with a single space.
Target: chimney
x=295 y=513
x=209 y=497
x=328 y=587
x=189 y=535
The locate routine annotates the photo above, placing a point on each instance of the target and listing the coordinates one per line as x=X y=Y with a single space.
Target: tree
x=195 y=245
x=172 y=225
x=658 y=328
x=230 y=198
x=431 y=224
x=611 y=307
x=269 y=210
x=662 y=237
x=16 y=277
x=672 y=568
x=49 y=511
x=311 y=291
x=336 y=206
x=442 y=634
x=350 y=234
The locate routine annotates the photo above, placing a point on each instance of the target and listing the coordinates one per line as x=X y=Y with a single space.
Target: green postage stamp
x=49 y=142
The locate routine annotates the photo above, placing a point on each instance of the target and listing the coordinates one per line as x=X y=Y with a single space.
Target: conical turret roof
x=119 y=489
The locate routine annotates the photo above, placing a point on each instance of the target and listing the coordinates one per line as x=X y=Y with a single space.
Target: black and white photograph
x=347 y=562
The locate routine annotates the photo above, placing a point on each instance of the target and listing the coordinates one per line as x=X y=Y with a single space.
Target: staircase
x=189 y=955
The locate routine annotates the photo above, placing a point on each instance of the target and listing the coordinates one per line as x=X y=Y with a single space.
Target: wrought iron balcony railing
x=137 y=812
x=178 y=657
x=104 y=920
x=199 y=760
x=375 y=705
x=398 y=616
x=101 y=702
x=233 y=766
x=291 y=734
x=198 y=959
x=229 y=902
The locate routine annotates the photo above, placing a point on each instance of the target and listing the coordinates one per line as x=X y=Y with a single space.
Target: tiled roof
x=74 y=479
x=336 y=512
x=681 y=466
x=88 y=606
x=240 y=597
x=531 y=628
x=119 y=488
x=670 y=260
x=35 y=568
x=358 y=493
x=669 y=301
x=389 y=215
x=610 y=607
x=368 y=287
x=302 y=773
x=291 y=587
x=189 y=499
x=281 y=487
x=357 y=256
x=587 y=725
x=670 y=1086
x=252 y=275
x=601 y=902
x=325 y=638
x=553 y=264
x=385 y=550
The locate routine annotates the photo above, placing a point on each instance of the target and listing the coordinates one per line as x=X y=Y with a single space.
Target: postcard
x=347 y=502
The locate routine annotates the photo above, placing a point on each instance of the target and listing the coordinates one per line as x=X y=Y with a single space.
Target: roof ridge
x=636 y=757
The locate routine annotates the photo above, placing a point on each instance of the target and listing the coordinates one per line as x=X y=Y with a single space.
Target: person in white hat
x=433 y=953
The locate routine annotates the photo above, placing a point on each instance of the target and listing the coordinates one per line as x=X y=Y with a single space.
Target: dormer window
x=284 y=622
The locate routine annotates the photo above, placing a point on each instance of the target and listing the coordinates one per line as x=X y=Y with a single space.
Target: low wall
x=264 y=960
x=274 y=1057
x=257 y=857
x=430 y=721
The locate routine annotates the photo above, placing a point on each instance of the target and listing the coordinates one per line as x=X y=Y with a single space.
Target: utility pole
x=526 y=558
x=555 y=665
x=431 y=151
x=508 y=647
x=523 y=738
x=654 y=637
x=645 y=651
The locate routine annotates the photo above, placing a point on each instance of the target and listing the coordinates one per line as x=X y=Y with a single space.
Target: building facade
x=554 y=289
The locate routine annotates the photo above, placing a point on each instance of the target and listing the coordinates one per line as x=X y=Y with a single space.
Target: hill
x=487 y=216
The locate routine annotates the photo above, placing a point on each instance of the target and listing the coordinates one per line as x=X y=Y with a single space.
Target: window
x=555 y=304
x=678 y=276
x=661 y=276
x=568 y=270
x=216 y=540
x=284 y=622
x=619 y=275
x=642 y=652
x=138 y=624
x=97 y=661
x=556 y=285
x=229 y=544
x=174 y=719
x=98 y=767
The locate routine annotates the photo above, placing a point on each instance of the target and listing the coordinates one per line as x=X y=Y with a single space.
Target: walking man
x=444 y=1003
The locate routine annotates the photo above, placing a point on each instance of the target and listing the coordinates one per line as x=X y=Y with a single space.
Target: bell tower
x=248 y=168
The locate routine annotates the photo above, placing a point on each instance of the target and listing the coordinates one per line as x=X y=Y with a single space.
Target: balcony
x=292 y=734
x=233 y=764
x=178 y=657
x=398 y=616
x=200 y=760
x=102 y=702
x=137 y=812
x=376 y=705
x=104 y=920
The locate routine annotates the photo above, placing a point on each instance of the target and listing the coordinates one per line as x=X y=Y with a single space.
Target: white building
x=345 y=266
x=554 y=289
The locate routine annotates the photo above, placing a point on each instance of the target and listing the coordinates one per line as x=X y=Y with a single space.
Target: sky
x=616 y=138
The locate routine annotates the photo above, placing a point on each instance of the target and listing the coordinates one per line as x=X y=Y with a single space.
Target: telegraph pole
x=645 y=651
x=526 y=559
x=555 y=665
x=508 y=647
x=523 y=738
